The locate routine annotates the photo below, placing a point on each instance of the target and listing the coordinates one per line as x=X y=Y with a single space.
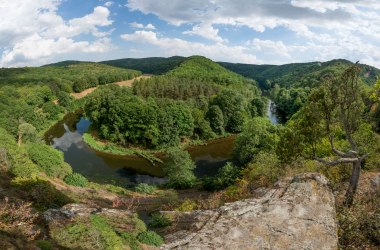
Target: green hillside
x=299 y=74
x=201 y=68
x=74 y=77
x=151 y=65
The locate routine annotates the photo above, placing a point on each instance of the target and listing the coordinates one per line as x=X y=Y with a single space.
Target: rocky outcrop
x=71 y=211
x=299 y=213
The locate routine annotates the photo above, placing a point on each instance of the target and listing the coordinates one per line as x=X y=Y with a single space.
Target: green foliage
x=187 y=206
x=258 y=135
x=78 y=76
x=76 y=179
x=130 y=240
x=150 y=238
x=145 y=188
x=41 y=193
x=264 y=170
x=179 y=167
x=198 y=67
x=20 y=164
x=151 y=65
x=159 y=220
x=49 y=160
x=127 y=119
x=216 y=118
x=88 y=233
x=202 y=127
x=225 y=177
x=45 y=245
x=174 y=87
x=26 y=133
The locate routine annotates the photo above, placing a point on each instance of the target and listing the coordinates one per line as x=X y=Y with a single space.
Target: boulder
x=298 y=213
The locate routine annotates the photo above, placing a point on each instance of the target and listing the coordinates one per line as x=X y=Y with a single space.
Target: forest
x=330 y=118
x=187 y=102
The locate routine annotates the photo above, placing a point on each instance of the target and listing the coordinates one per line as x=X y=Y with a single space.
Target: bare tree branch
x=336 y=162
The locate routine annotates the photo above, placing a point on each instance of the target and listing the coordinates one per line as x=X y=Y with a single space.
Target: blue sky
x=36 y=32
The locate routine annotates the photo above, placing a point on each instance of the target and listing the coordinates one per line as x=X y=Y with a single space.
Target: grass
x=118 y=150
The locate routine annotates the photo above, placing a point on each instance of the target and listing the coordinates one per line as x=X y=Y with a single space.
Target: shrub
x=187 y=206
x=131 y=241
x=91 y=232
x=45 y=245
x=145 y=188
x=150 y=238
x=159 y=220
x=76 y=179
x=264 y=171
x=225 y=177
x=49 y=160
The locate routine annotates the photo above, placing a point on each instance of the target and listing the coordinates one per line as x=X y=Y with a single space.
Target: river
x=128 y=171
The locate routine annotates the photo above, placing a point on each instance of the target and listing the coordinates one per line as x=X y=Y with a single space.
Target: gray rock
x=70 y=211
x=299 y=213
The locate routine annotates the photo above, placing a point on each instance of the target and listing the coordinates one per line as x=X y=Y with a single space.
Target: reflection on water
x=126 y=170
x=101 y=167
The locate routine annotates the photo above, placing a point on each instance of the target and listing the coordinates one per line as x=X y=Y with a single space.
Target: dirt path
x=127 y=83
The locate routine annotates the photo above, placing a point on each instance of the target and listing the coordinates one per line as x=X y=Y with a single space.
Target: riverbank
x=153 y=156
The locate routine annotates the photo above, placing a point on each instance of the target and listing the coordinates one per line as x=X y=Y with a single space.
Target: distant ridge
x=150 y=65
x=292 y=74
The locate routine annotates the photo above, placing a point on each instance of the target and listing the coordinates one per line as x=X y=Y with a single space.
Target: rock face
x=299 y=213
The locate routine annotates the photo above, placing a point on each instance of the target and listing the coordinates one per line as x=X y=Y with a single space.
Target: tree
x=26 y=132
x=216 y=118
x=258 y=135
x=338 y=103
x=179 y=167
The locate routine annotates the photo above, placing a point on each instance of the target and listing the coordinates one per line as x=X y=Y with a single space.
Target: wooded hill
x=298 y=74
x=67 y=76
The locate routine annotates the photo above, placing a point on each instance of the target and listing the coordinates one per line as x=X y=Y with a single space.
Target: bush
x=131 y=241
x=150 y=238
x=264 y=171
x=187 y=206
x=49 y=160
x=145 y=188
x=225 y=177
x=159 y=220
x=45 y=245
x=76 y=179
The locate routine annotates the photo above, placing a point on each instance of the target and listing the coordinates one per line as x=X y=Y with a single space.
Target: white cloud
x=205 y=30
x=142 y=26
x=337 y=28
x=32 y=32
x=108 y=4
x=175 y=46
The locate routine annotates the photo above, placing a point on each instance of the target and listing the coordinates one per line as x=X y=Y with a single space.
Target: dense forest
x=150 y=65
x=68 y=78
x=199 y=100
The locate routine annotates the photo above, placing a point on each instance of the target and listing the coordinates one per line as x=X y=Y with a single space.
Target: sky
x=37 y=32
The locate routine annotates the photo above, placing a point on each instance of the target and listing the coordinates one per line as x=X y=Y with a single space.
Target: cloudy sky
x=36 y=32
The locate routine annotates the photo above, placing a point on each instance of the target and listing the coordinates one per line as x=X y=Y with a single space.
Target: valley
x=197 y=137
